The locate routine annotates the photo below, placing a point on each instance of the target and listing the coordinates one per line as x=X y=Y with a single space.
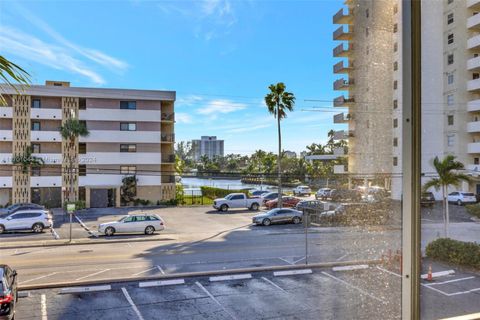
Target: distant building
x=207 y=146
x=289 y=154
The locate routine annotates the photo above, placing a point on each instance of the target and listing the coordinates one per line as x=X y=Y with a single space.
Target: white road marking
x=43 y=303
x=438 y=274
x=85 y=289
x=38 y=278
x=85 y=227
x=161 y=283
x=286 y=261
x=54 y=233
x=291 y=272
x=350 y=268
x=92 y=274
x=434 y=289
x=353 y=287
x=128 y=244
x=138 y=273
x=161 y=270
x=132 y=304
x=463 y=292
x=449 y=281
x=388 y=271
x=274 y=284
x=472 y=316
x=213 y=298
x=295 y=262
x=231 y=277
x=341 y=258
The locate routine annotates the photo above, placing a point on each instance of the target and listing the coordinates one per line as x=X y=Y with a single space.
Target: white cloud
x=188 y=101
x=181 y=117
x=215 y=107
x=250 y=128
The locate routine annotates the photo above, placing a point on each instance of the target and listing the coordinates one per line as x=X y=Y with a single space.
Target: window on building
x=36 y=126
x=450 y=120
x=35 y=147
x=450 y=78
x=395 y=142
x=82 y=148
x=395 y=161
x=131 y=105
x=450 y=18
x=82 y=104
x=395 y=28
x=395 y=66
x=395 y=47
x=367 y=50
x=395 y=123
x=128 y=169
x=36 y=171
x=450 y=140
x=367 y=13
x=450 y=38
x=82 y=170
x=395 y=104
x=128 y=148
x=128 y=126
x=36 y=103
x=395 y=84
x=368 y=124
x=83 y=123
x=476 y=160
x=450 y=100
x=450 y=58
x=475 y=75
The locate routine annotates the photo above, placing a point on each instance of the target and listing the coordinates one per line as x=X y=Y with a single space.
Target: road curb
x=196 y=274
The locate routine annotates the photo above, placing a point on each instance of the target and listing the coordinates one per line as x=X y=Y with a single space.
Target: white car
x=35 y=220
x=460 y=197
x=144 y=223
x=237 y=200
x=323 y=193
x=302 y=190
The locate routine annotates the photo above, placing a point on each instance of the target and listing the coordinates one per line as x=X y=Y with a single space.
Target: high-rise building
x=131 y=132
x=207 y=146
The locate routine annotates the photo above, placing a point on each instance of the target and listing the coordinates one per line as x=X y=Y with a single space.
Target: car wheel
x=37 y=227
x=254 y=207
x=296 y=220
x=459 y=202
x=149 y=230
x=109 y=231
x=266 y=222
x=2 y=229
x=224 y=208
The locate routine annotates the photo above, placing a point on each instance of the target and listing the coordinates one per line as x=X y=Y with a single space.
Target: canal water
x=192 y=185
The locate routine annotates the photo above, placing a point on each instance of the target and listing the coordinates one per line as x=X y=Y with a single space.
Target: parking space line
x=285 y=260
x=231 y=277
x=161 y=270
x=449 y=281
x=91 y=275
x=274 y=284
x=463 y=292
x=139 y=273
x=473 y=316
x=351 y=268
x=54 y=233
x=85 y=289
x=435 y=289
x=161 y=283
x=132 y=304
x=353 y=287
x=291 y=272
x=388 y=271
x=38 y=278
x=43 y=304
x=341 y=258
x=90 y=232
x=213 y=298
x=295 y=262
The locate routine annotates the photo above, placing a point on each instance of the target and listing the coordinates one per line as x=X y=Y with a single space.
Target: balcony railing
x=473 y=22
x=339 y=51
x=168 y=179
x=343 y=102
x=168 y=137
x=473 y=4
x=340 y=118
x=342 y=84
x=341 y=18
x=168 y=116
x=340 y=68
x=339 y=169
x=168 y=158
x=341 y=34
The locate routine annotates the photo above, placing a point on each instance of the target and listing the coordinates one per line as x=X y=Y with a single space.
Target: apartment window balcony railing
x=341 y=52
x=168 y=179
x=473 y=126
x=473 y=85
x=168 y=158
x=342 y=84
x=339 y=169
x=340 y=68
x=343 y=102
x=473 y=22
x=341 y=34
x=168 y=116
x=341 y=118
x=473 y=4
x=343 y=18
x=168 y=137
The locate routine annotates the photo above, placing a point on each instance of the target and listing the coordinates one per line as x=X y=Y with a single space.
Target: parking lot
x=371 y=293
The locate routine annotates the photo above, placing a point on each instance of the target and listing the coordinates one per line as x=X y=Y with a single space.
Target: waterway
x=192 y=185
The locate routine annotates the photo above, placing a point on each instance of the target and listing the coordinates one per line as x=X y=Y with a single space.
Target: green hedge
x=214 y=193
x=456 y=252
x=473 y=209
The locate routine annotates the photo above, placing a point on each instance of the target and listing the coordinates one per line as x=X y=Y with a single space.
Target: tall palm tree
x=9 y=73
x=278 y=102
x=447 y=170
x=72 y=129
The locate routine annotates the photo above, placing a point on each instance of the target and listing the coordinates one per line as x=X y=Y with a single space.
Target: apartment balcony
x=473 y=64
x=45 y=113
x=342 y=134
x=473 y=4
x=99 y=180
x=339 y=169
x=115 y=136
x=340 y=68
x=98 y=114
x=168 y=158
x=119 y=158
x=341 y=18
x=341 y=52
x=473 y=42
x=6 y=112
x=343 y=85
x=473 y=147
x=341 y=34
x=168 y=138
x=45 y=136
x=5 y=182
x=473 y=105
x=473 y=126
x=45 y=181
x=473 y=85
x=343 y=102
x=340 y=118
x=5 y=135
x=339 y=152
x=168 y=179
x=473 y=167
x=473 y=22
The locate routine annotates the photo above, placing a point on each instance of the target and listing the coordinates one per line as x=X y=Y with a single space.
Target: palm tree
x=10 y=71
x=72 y=129
x=278 y=102
x=27 y=161
x=447 y=170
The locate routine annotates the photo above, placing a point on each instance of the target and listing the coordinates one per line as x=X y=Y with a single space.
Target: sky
x=220 y=56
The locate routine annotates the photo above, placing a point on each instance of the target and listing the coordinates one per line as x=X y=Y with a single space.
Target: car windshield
x=468 y=194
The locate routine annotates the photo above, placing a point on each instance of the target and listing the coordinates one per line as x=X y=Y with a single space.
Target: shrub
x=473 y=209
x=456 y=252
x=213 y=193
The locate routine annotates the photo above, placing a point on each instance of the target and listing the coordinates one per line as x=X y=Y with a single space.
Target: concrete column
x=117 y=197
x=87 y=197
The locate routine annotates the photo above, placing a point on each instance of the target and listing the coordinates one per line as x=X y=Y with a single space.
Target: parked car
x=284 y=215
x=144 y=223
x=288 y=202
x=460 y=197
x=237 y=200
x=302 y=191
x=21 y=206
x=35 y=220
x=269 y=196
x=345 y=195
x=427 y=199
x=312 y=204
x=8 y=292
x=323 y=193
x=258 y=193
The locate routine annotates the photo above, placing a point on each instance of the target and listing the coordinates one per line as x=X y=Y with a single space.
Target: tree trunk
x=447 y=214
x=445 y=209
x=279 y=159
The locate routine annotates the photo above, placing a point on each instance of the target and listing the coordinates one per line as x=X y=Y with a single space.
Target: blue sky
x=219 y=55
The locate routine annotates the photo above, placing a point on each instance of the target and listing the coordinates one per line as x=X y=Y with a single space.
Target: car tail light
x=161 y=223
x=6 y=299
